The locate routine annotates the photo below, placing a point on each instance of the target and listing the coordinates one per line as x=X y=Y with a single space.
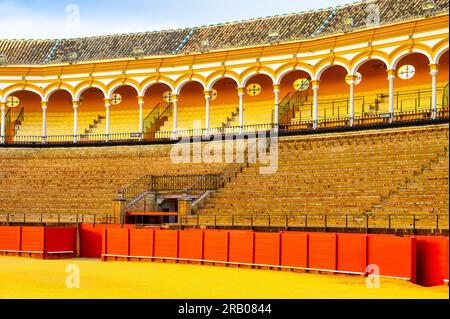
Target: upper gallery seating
x=235 y=34
x=388 y=171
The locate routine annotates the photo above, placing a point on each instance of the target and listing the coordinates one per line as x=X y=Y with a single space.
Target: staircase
x=96 y=125
x=11 y=126
x=156 y=119
x=423 y=193
x=231 y=120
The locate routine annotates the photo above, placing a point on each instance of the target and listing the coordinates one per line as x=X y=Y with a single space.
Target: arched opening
x=23 y=115
x=60 y=113
x=224 y=103
x=191 y=108
x=413 y=84
x=333 y=94
x=442 y=80
x=371 y=89
x=157 y=107
x=92 y=112
x=124 y=112
x=295 y=97
x=258 y=102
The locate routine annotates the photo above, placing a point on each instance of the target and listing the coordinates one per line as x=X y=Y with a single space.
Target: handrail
x=8 y=117
x=21 y=116
x=365 y=119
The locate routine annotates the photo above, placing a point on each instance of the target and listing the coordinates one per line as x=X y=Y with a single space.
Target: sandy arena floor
x=28 y=278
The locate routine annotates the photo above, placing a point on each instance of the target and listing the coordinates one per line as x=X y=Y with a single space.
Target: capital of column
x=207 y=95
x=44 y=105
x=276 y=88
x=75 y=104
x=2 y=106
x=141 y=100
x=391 y=74
x=107 y=103
x=175 y=98
x=351 y=79
x=434 y=69
x=315 y=84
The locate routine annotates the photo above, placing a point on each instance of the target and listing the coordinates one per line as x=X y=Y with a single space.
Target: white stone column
x=315 y=87
x=141 y=115
x=75 y=121
x=108 y=128
x=44 y=121
x=434 y=73
x=175 y=114
x=3 y=124
x=351 y=83
x=391 y=79
x=241 y=93
x=208 y=111
x=276 y=116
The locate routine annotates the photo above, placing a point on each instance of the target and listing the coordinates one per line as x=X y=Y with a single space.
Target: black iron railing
x=160 y=136
x=55 y=218
x=176 y=183
x=306 y=221
x=155 y=119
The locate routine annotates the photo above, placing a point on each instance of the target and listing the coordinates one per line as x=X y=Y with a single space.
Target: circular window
x=406 y=72
x=358 y=78
x=167 y=97
x=214 y=94
x=116 y=99
x=254 y=89
x=301 y=84
x=12 y=101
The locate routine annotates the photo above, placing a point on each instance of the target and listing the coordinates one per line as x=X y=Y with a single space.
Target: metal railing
x=176 y=183
x=391 y=222
x=336 y=122
x=55 y=218
x=154 y=121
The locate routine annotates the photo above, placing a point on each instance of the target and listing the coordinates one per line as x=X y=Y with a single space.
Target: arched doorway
x=296 y=104
x=224 y=104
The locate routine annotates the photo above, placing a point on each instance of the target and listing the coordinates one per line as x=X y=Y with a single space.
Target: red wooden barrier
x=352 y=253
x=216 y=245
x=117 y=241
x=33 y=241
x=166 y=243
x=60 y=242
x=395 y=256
x=10 y=240
x=432 y=260
x=267 y=249
x=141 y=242
x=241 y=247
x=191 y=245
x=294 y=249
x=91 y=240
x=322 y=251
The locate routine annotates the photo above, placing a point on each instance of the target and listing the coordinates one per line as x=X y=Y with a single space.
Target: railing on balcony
x=412 y=106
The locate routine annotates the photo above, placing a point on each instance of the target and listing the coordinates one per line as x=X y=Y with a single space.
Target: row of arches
x=375 y=73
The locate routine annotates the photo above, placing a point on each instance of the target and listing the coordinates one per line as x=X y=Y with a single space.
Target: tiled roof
x=289 y=27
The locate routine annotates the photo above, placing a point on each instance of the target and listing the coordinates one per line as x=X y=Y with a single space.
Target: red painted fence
x=421 y=259
x=337 y=253
x=38 y=242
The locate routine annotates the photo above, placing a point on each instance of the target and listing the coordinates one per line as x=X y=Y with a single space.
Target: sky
x=50 y=19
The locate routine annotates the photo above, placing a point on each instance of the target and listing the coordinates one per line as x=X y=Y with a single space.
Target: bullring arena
x=295 y=156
